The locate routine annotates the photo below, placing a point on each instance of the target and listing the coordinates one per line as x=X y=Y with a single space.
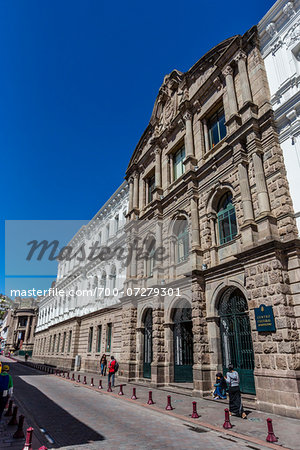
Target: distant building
x=20 y=323
x=5 y=304
x=84 y=318
x=279 y=32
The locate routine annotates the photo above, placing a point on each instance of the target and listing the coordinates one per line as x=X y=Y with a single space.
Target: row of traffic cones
x=12 y=412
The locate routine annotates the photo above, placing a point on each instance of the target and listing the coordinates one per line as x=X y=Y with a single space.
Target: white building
x=88 y=282
x=279 y=32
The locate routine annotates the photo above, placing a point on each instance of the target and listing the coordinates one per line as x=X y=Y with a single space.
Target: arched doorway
x=236 y=338
x=147 y=344
x=183 y=344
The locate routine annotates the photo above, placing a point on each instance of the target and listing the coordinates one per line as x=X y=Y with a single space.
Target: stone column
x=142 y=192
x=168 y=157
x=158 y=366
x=130 y=206
x=202 y=139
x=232 y=103
x=157 y=152
x=261 y=185
x=245 y=192
x=189 y=139
x=241 y=59
x=213 y=252
x=206 y=139
x=169 y=351
x=128 y=362
x=195 y=223
x=136 y=190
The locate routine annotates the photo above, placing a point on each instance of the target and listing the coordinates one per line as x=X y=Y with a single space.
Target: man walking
x=6 y=388
x=112 y=370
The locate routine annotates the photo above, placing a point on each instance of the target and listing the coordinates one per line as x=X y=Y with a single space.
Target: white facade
x=279 y=32
x=87 y=282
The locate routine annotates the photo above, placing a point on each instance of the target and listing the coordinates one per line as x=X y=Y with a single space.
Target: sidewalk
x=6 y=432
x=211 y=412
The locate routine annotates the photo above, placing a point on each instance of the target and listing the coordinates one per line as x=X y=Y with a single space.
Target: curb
x=253 y=440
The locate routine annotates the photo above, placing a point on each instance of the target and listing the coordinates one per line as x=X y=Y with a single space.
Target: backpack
x=4 y=381
x=116 y=366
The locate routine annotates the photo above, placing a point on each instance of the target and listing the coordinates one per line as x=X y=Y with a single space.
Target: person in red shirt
x=111 y=371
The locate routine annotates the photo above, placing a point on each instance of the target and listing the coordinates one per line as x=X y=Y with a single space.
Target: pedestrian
x=103 y=364
x=26 y=357
x=235 y=399
x=220 y=387
x=6 y=388
x=112 y=369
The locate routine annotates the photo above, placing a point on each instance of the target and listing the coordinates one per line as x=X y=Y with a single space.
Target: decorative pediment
x=166 y=104
x=293 y=35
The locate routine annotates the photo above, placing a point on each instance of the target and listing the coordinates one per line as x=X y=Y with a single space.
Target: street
x=71 y=416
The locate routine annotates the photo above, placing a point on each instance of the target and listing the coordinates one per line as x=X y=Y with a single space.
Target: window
x=216 y=128
x=116 y=223
x=70 y=341
x=54 y=341
x=151 y=186
x=58 y=343
x=107 y=232
x=64 y=342
x=226 y=219
x=100 y=238
x=113 y=277
x=99 y=336
x=108 y=337
x=150 y=259
x=22 y=321
x=103 y=281
x=178 y=163
x=50 y=340
x=182 y=234
x=90 y=343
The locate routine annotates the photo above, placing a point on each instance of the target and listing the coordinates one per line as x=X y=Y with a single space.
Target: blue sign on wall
x=264 y=318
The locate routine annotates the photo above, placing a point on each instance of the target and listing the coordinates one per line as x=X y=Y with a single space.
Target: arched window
x=182 y=235
x=113 y=277
x=103 y=280
x=150 y=258
x=227 y=225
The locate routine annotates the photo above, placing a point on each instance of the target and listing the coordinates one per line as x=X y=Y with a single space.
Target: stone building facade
x=21 y=321
x=279 y=32
x=208 y=187
x=212 y=233
x=82 y=313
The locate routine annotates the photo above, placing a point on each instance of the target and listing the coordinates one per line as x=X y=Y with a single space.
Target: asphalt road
x=67 y=415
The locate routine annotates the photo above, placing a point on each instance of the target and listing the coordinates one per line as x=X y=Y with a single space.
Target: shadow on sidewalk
x=62 y=427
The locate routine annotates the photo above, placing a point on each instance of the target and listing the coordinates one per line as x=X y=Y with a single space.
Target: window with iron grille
x=99 y=336
x=108 y=337
x=90 y=343
x=58 y=343
x=64 y=342
x=70 y=341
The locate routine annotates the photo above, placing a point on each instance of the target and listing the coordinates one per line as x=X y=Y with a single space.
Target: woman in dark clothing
x=235 y=400
x=103 y=364
x=220 y=387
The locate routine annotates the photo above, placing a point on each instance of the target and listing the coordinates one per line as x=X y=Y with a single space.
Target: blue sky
x=78 y=81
